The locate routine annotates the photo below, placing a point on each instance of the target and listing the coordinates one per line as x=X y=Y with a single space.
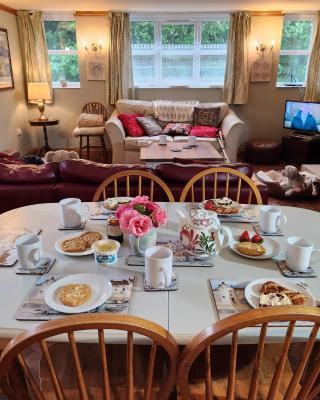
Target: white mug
x=298 y=253
x=71 y=213
x=158 y=267
x=29 y=250
x=192 y=140
x=162 y=139
x=271 y=218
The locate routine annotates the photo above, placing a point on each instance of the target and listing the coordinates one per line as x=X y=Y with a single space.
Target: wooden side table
x=44 y=124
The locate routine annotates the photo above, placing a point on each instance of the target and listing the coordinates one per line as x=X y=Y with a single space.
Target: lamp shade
x=39 y=91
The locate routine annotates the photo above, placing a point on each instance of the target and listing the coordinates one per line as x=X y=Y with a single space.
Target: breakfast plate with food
x=277 y=292
x=254 y=247
x=77 y=244
x=78 y=293
x=112 y=203
x=222 y=206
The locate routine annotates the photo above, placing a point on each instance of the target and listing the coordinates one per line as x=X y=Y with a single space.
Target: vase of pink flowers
x=138 y=219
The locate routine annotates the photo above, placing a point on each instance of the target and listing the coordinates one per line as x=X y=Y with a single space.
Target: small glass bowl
x=107 y=257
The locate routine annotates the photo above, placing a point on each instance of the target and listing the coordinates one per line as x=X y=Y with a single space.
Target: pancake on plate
x=74 y=295
x=251 y=249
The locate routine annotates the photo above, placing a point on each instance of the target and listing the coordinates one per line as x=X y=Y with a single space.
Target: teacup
x=192 y=141
x=298 y=253
x=271 y=219
x=29 y=250
x=158 y=267
x=162 y=139
x=71 y=212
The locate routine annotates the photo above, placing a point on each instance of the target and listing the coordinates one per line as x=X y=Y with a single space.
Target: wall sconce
x=93 y=49
x=261 y=47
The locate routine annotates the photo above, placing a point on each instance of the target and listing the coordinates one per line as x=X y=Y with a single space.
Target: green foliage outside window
x=142 y=32
x=214 y=32
x=296 y=35
x=177 y=34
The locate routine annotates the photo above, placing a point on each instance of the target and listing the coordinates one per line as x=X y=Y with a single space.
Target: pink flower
x=139 y=200
x=125 y=218
x=140 y=225
x=121 y=209
x=159 y=217
x=151 y=206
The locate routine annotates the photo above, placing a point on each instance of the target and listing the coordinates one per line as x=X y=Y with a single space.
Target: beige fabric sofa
x=125 y=149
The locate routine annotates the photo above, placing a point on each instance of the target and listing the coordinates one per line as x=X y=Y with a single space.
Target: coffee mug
x=71 y=212
x=158 y=267
x=271 y=218
x=192 y=140
x=29 y=250
x=298 y=253
x=162 y=139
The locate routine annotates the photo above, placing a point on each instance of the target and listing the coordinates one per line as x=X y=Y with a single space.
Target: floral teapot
x=202 y=234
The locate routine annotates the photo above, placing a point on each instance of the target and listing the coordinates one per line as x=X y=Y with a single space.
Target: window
x=62 y=49
x=296 y=44
x=179 y=53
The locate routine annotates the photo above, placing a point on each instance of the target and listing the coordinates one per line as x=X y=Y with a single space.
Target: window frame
x=157 y=51
x=297 y=17
x=63 y=17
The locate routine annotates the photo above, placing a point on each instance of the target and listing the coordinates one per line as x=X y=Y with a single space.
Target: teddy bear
x=60 y=155
x=293 y=181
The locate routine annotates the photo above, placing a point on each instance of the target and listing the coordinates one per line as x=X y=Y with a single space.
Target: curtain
x=313 y=80
x=236 y=80
x=119 y=79
x=34 y=48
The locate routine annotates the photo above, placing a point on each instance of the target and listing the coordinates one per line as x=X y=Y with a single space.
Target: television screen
x=302 y=116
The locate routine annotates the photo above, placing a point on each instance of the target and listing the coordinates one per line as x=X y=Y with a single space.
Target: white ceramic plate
x=70 y=236
x=233 y=204
x=101 y=290
x=112 y=203
x=272 y=249
x=252 y=291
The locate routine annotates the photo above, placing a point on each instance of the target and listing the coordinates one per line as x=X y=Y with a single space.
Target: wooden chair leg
x=88 y=148
x=80 y=147
x=104 y=148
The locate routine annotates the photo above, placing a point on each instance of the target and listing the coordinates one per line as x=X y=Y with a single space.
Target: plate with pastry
x=255 y=247
x=112 y=203
x=222 y=206
x=78 y=293
x=77 y=244
x=278 y=292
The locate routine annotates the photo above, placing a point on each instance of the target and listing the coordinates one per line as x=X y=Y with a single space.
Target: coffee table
x=157 y=153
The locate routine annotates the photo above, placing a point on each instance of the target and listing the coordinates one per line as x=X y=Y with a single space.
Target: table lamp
x=39 y=92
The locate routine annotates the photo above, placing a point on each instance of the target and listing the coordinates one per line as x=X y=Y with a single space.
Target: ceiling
x=163 y=5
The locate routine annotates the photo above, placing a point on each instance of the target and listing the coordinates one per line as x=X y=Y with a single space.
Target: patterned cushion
x=174 y=129
x=204 y=131
x=206 y=116
x=150 y=126
x=90 y=120
x=131 y=125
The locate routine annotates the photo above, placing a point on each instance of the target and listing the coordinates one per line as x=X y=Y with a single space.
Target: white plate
x=272 y=249
x=112 y=202
x=233 y=204
x=252 y=291
x=70 y=236
x=101 y=290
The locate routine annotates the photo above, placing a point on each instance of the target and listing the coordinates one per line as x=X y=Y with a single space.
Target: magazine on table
x=34 y=307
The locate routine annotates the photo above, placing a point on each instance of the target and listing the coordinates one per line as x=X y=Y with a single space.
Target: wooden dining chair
x=203 y=346
x=16 y=378
x=136 y=186
x=200 y=184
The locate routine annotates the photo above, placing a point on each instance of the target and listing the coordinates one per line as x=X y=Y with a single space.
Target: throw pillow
x=204 y=131
x=206 y=116
x=90 y=120
x=150 y=126
x=131 y=125
x=177 y=129
x=59 y=156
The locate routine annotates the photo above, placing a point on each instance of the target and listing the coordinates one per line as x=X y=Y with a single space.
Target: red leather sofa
x=23 y=184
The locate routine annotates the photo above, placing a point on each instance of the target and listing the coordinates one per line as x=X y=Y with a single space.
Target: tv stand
x=301 y=148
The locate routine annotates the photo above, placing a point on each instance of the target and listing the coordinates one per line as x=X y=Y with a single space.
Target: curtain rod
x=102 y=13
x=8 y=9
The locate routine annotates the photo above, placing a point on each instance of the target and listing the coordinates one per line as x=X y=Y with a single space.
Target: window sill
x=298 y=85
x=179 y=87
x=71 y=85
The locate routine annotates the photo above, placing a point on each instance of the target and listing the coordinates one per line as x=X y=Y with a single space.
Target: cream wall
x=13 y=109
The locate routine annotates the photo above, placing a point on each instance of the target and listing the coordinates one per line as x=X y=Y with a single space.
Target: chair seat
x=90 y=131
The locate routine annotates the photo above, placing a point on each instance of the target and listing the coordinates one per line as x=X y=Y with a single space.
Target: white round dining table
x=184 y=312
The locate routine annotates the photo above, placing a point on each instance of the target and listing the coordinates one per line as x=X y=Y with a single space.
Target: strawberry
x=256 y=239
x=245 y=237
x=209 y=205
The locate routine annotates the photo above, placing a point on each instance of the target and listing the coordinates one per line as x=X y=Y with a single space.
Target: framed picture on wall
x=95 y=70
x=6 y=76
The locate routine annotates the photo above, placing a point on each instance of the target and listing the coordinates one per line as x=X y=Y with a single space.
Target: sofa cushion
x=206 y=116
x=131 y=144
x=134 y=107
x=199 y=139
x=84 y=171
x=131 y=125
x=179 y=173
x=204 y=131
x=222 y=106
x=29 y=173
x=175 y=129
x=149 y=125
x=11 y=159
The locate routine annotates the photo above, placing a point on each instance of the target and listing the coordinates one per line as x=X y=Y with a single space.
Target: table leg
x=44 y=149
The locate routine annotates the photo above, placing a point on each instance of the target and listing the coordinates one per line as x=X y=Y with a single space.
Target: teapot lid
x=205 y=218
